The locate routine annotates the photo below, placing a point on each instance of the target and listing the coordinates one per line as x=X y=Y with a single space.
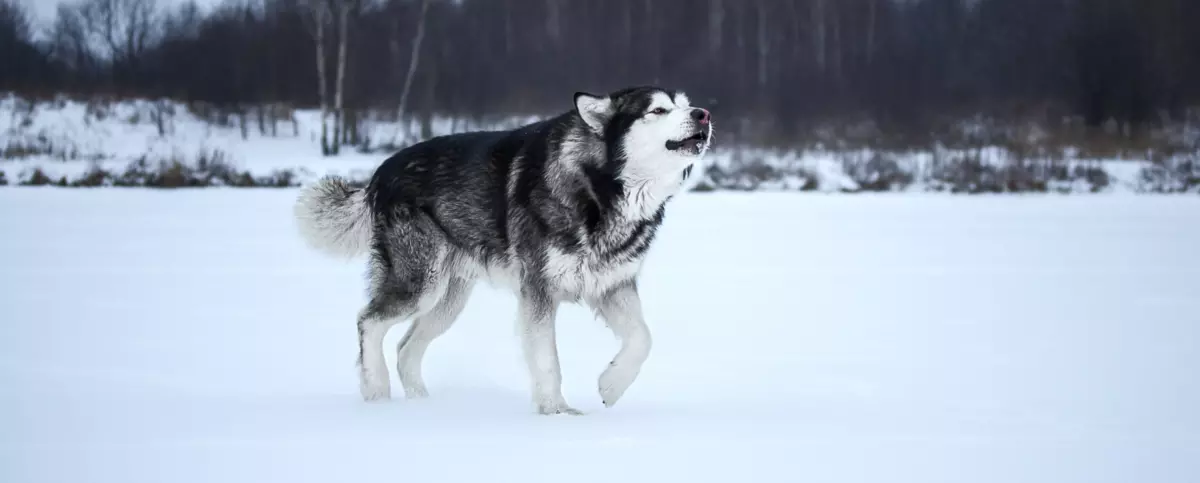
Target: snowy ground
x=73 y=137
x=183 y=336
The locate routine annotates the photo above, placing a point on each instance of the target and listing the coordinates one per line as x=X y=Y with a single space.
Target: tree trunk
x=414 y=59
x=427 y=115
x=243 y=123
x=319 y=10
x=340 y=93
x=796 y=31
x=653 y=46
x=872 y=21
x=819 y=34
x=509 y=32
x=716 y=26
x=398 y=74
x=837 y=46
x=764 y=47
x=627 y=25
x=553 y=20
x=350 y=123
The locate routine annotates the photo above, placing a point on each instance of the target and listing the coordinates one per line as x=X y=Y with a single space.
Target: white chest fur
x=582 y=275
x=569 y=276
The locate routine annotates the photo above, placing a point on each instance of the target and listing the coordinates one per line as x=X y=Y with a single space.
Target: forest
x=769 y=69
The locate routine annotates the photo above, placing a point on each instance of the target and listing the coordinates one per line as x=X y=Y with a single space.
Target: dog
x=563 y=210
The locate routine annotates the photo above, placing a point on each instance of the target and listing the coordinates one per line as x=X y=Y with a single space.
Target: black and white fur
x=562 y=210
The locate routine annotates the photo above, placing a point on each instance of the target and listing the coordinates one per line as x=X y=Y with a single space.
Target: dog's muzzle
x=693 y=144
x=696 y=142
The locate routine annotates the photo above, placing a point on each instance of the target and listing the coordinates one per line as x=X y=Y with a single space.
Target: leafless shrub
x=95 y=177
x=209 y=168
x=38 y=178
x=964 y=173
x=876 y=172
x=1174 y=175
x=970 y=174
x=161 y=113
x=756 y=175
x=98 y=109
x=25 y=148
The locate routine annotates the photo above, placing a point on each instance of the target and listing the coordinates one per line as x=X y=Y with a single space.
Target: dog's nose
x=700 y=115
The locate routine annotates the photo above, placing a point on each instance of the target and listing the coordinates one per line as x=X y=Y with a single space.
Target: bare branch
x=415 y=57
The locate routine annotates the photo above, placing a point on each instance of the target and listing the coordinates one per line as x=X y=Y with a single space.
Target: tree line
x=773 y=67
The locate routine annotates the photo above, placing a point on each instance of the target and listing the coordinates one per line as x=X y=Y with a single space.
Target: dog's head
x=657 y=132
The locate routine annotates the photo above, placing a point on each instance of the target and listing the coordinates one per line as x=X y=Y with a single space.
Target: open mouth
x=691 y=144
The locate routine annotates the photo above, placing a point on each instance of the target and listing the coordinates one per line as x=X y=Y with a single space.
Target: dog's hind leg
x=411 y=349
x=402 y=286
x=621 y=310
x=373 y=325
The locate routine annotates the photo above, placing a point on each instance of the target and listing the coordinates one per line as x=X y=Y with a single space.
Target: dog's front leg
x=622 y=312
x=538 y=341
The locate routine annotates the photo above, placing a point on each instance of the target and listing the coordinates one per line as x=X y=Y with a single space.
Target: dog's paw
x=559 y=409
x=416 y=392
x=613 y=384
x=375 y=393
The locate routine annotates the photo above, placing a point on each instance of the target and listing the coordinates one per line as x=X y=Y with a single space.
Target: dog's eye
x=659 y=111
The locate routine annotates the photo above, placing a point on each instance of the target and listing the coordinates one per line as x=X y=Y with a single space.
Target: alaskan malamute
x=562 y=210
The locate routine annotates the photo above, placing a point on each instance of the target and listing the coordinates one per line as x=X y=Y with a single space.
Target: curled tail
x=334 y=217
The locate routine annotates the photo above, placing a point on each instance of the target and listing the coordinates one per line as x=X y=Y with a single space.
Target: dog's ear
x=595 y=110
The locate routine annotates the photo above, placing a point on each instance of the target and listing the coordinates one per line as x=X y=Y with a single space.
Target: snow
x=189 y=335
x=111 y=135
x=72 y=137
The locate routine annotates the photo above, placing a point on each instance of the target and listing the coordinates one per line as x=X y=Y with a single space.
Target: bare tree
x=69 y=40
x=318 y=15
x=414 y=59
x=819 y=34
x=14 y=21
x=16 y=47
x=716 y=26
x=344 y=7
x=899 y=62
x=872 y=26
x=764 y=46
x=184 y=21
x=122 y=31
x=554 y=20
x=837 y=44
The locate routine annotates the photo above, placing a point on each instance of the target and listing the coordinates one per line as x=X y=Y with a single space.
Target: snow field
x=191 y=336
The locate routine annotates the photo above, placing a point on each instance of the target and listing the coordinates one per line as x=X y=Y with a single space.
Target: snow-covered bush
x=1176 y=175
x=877 y=172
x=210 y=168
x=758 y=175
x=970 y=174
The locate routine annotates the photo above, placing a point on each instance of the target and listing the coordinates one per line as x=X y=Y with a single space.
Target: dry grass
x=210 y=168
